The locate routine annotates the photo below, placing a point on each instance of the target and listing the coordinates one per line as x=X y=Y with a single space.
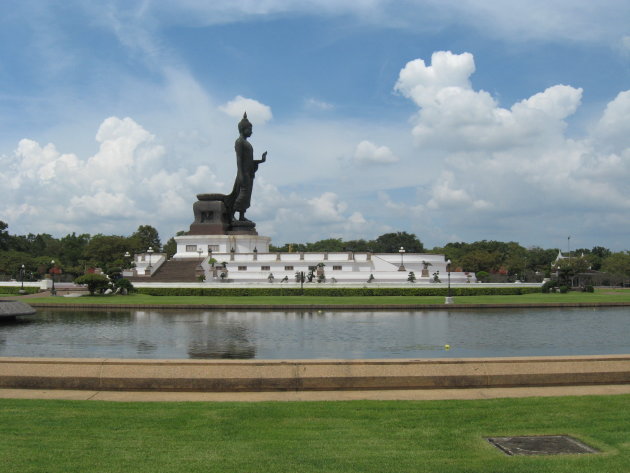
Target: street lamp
x=402 y=252
x=449 y=298
x=53 y=291
x=22 y=279
x=150 y=251
x=127 y=257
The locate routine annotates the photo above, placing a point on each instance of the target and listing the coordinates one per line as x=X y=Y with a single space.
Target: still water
x=327 y=334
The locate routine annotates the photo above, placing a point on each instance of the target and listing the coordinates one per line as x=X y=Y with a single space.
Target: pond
x=203 y=334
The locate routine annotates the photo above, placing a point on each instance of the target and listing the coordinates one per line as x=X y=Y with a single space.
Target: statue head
x=244 y=123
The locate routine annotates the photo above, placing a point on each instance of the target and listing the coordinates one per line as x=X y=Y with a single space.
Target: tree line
x=72 y=254
x=490 y=260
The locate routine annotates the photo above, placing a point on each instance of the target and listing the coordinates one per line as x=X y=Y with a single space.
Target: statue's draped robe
x=239 y=199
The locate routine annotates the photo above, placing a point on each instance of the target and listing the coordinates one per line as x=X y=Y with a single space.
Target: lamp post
x=449 y=298
x=150 y=251
x=21 y=291
x=53 y=291
x=402 y=252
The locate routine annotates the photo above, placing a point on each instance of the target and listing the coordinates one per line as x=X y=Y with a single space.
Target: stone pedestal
x=210 y=218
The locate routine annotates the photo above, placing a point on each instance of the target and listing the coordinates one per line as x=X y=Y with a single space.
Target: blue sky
x=454 y=120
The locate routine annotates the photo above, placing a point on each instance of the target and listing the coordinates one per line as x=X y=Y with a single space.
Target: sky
x=455 y=120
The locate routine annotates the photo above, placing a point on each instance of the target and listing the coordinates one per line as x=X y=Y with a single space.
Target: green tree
x=539 y=259
x=73 y=249
x=617 y=264
x=358 y=245
x=5 y=238
x=330 y=244
x=568 y=268
x=391 y=243
x=598 y=254
x=170 y=248
x=107 y=251
x=481 y=260
x=12 y=261
x=94 y=282
x=144 y=237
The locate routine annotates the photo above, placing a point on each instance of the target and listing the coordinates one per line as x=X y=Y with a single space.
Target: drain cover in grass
x=540 y=445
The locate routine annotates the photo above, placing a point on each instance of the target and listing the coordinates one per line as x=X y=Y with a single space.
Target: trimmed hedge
x=336 y=291
x=15 y=290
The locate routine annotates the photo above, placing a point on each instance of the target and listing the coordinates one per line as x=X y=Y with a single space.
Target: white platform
x=194 y=246
x=247 y=260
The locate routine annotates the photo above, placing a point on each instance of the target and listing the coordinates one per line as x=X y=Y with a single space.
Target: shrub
x=94 y=282
x=564 y=289
x=124 y=284
x=482 y=276
x=588 y=288
x=335 y=291
x=16 y=289
x=547 y=287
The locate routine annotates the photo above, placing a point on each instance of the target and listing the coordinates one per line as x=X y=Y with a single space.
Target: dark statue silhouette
x=213 y=218
x=240 y=198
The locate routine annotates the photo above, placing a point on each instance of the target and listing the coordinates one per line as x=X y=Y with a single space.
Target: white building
x=246 y=258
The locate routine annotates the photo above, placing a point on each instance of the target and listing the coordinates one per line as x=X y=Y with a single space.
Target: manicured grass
x=357 y=436
x=600 y=296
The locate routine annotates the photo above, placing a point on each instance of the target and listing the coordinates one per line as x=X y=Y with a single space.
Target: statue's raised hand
x=264 y=157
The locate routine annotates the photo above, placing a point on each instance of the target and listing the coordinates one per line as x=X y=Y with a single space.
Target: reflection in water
x=210 y=339
x=316 y=334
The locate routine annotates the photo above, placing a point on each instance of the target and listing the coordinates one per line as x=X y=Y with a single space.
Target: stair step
x=173 y=271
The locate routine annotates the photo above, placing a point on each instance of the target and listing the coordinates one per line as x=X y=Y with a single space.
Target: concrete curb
x=331 y=306
x=310 y=375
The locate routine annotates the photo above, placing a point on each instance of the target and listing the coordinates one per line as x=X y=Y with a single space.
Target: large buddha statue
x=239 y=200
x=216 y=213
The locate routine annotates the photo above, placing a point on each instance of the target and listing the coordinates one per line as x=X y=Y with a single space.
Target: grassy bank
x=357 y=436
x=599 y=296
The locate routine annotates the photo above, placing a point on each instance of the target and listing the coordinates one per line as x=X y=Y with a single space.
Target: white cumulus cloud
x=513 y=169
x=369 y=153
x=123 y=185
x=257 y=112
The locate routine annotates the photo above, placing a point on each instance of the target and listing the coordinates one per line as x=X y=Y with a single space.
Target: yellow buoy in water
x=447 y=347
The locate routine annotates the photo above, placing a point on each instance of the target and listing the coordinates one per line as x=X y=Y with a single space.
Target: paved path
x=397 y=395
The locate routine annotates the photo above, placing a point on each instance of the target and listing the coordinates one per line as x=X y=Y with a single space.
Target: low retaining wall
x=310 y=375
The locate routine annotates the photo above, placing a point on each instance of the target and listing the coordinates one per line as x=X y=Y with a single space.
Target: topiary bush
x=94 y=282
x=125 y=285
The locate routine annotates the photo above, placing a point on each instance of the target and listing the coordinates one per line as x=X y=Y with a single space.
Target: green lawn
x=600 y=295
x=357 y=436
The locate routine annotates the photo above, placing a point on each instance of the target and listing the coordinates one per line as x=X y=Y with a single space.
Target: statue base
x=211 y=218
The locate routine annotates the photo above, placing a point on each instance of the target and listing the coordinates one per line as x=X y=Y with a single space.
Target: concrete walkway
x=376 y=395
x=312 y=380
